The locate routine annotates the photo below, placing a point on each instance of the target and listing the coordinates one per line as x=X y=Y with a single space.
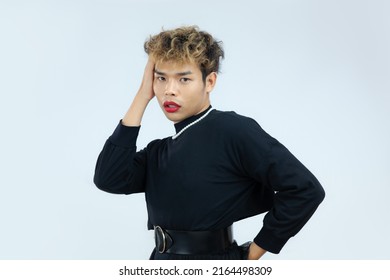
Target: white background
x=314 y=74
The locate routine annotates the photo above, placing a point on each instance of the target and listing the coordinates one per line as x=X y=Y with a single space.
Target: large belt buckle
x=161 y=239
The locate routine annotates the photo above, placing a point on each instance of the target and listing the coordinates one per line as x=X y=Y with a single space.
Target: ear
x=211 y=80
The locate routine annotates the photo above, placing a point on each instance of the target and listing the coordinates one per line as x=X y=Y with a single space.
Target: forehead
x=173 y=67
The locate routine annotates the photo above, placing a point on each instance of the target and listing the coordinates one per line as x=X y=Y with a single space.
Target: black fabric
x=220 y=170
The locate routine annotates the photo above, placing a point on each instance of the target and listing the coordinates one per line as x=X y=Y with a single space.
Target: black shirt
x=220 y=170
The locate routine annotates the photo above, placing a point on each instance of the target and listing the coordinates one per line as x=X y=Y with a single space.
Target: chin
x=173 y=118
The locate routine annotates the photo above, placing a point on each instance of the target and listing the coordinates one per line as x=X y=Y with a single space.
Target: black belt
x=192 y=242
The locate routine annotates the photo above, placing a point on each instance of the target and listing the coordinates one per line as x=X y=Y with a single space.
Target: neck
x=182 y=124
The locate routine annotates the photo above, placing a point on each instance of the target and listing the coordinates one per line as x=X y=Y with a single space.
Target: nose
x=170 y=88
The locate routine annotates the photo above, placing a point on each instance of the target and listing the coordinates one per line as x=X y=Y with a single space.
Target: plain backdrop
x=313 y=74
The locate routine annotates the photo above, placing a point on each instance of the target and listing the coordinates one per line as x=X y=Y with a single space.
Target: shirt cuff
x=266 y=240
x=124 y=136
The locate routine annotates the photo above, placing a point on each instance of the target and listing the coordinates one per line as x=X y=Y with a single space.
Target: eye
x=160 y=78
x=185 y=80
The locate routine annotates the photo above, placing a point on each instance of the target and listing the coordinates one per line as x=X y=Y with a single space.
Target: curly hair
x=186 y=44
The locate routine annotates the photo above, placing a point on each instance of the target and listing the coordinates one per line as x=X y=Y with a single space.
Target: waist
x=193 y=242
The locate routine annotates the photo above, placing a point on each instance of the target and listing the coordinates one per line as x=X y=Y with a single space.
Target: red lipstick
x=171 y=107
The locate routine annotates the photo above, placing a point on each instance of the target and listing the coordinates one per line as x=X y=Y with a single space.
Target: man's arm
x=145 y=93
x=297 y=193
x=255 y=252
x=120 y=168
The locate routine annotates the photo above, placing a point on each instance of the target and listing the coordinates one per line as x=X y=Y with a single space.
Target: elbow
x=100 y=182
x=103 y=183
x=321 y=194
x=317 y=194
x=117 y=186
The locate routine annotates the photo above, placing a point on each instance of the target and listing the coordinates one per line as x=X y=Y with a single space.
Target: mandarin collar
x=180 y=125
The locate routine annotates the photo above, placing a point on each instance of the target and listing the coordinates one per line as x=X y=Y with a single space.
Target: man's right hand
x=133 y=117
x=146 y=88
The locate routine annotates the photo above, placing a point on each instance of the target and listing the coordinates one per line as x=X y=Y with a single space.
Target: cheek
x=198 y=92
x=157 y=89
x=158 y=93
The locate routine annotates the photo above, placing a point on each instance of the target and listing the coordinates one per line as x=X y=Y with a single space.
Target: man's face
x=180 y=90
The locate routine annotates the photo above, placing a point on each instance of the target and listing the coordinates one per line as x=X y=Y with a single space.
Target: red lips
x=171 y=106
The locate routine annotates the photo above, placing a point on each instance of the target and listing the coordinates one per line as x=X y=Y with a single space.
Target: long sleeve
x=119 y=168
x=297 y=192
x=224 y=169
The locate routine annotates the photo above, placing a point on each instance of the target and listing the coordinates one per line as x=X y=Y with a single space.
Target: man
x=219 y=167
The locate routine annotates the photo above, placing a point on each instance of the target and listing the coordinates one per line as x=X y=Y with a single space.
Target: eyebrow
x=178 y=74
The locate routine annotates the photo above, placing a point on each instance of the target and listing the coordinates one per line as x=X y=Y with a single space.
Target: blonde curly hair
x=186 y=44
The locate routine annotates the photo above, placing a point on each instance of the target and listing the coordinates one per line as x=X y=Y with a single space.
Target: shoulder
x=231 y=121
x=241 y=130
x=156 y=144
